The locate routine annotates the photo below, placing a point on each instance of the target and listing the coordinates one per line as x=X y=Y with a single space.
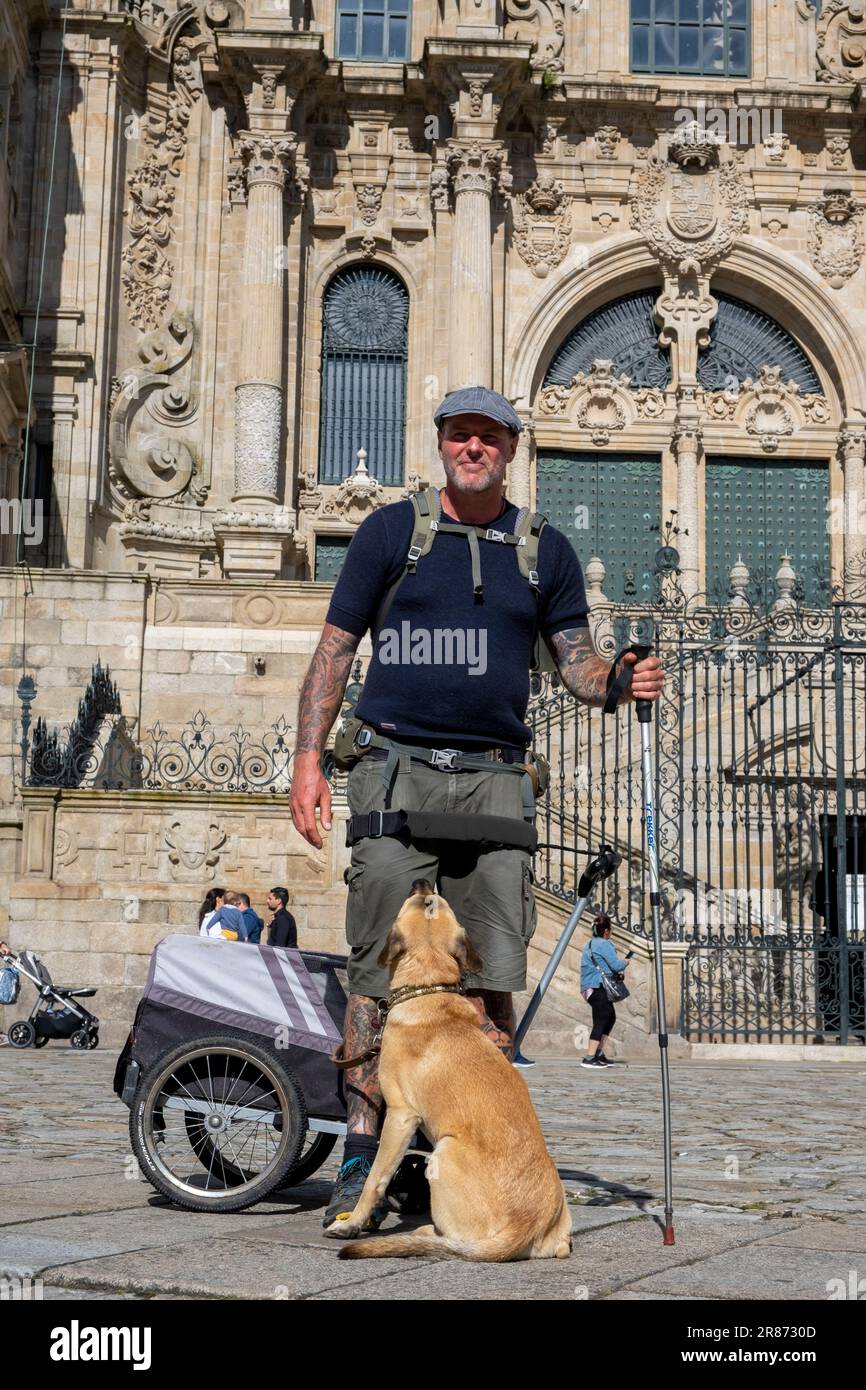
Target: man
x=252 y=921
x=476 y=706
x=283 y=929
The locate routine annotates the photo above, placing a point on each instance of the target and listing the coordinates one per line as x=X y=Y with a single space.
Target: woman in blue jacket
x=599 y=954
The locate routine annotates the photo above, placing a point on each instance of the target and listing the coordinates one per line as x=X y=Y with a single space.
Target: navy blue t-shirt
x=445 y=668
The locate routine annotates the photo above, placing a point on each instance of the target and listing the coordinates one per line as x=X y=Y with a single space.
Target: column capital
x=266 y=159
x=476 y=167
x=852 y=443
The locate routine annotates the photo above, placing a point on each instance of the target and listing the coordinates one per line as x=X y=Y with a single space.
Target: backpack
x=428 y=522
x=10 y=985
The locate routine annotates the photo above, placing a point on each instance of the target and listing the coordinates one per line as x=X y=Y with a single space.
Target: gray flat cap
x=479 y=400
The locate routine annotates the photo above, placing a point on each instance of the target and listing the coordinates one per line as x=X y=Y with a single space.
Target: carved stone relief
x=836 y=234
x=601 y=403
x=542 y=224
x=147 y=271
x=767 y=408
x=541 y=23
x=841 y=47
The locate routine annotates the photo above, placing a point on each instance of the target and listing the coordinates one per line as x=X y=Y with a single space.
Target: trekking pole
x=606 y=862
x=644 y=716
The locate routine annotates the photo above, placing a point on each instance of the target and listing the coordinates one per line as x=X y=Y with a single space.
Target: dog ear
x=467 y=957
x=394 y=948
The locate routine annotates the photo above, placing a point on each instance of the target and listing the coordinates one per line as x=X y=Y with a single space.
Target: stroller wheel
x=21 y=1033
x=39 y=1041
x=80 y=1038
x=233 y=1124
x=94 y=1041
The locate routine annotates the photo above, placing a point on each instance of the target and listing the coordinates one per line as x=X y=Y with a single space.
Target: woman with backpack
x=599 y=960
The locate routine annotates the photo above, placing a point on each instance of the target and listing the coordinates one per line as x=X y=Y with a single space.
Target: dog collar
x=404 y=992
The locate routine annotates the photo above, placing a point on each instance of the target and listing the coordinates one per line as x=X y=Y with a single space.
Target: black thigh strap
x=505 y=831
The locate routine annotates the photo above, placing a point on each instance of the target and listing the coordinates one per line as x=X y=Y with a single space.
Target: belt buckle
x=377 y=834
x=444 y=758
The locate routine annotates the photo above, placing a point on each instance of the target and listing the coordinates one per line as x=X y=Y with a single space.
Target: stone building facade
x=247 y=245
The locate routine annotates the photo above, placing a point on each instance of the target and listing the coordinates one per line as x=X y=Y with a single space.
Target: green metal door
x=608 y=505
x=762 y=511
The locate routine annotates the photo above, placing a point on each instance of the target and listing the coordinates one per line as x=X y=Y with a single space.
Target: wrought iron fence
x=196 y=757
x=760 y=757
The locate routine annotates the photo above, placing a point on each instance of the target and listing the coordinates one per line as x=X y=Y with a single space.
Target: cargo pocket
x=354 y=877
x=530 y=907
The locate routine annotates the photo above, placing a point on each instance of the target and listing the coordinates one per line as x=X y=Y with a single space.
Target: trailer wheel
x=216 y=1125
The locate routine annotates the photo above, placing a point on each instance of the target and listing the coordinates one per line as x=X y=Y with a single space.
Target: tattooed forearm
x=583 y=672
x=364 y=1104
x=323 y=688
x=496 y=1012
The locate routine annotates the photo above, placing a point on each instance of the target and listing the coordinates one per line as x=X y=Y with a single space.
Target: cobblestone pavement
x=768 y=1189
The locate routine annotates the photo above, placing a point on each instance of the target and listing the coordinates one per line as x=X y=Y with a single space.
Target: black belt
x=502 y=831
x=474 y=758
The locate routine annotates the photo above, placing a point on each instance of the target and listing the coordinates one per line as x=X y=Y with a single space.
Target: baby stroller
x=227 y=1070
x=54 y=1015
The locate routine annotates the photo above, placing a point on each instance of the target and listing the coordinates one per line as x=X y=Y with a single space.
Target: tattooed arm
x=586 y=675
x=318 y=707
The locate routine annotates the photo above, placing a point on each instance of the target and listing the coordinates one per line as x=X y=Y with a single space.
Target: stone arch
x=778 y=284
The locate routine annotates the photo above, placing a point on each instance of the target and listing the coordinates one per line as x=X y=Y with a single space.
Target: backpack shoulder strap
x=427 y=511
x=528 y=527
x=425 y=524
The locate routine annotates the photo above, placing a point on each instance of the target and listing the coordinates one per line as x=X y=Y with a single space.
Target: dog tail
x=425 y=1241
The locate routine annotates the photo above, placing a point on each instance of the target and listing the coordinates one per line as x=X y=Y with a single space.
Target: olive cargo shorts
x=488 y=890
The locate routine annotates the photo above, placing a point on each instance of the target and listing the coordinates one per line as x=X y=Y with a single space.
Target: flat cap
x=479 y=400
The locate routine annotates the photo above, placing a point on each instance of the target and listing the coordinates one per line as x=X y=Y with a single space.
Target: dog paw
x=343 y=1228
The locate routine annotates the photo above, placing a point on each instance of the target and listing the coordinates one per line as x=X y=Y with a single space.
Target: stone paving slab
x=767 y=1186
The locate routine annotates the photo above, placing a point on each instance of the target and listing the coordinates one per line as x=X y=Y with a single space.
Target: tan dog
x=495 y=1192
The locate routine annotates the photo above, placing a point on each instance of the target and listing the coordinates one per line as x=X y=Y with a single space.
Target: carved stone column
x=258 y=394
x=475 y=169
x=852 y=443
x=520 y=469
x=252 y=541
x=686 y=444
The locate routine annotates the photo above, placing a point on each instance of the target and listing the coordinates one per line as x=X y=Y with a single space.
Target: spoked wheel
x=21 y=1033
x=217 y=1125
x=317 y=1147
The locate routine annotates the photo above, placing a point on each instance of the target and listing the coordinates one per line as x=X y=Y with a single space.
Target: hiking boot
x=347 y=1192
x=592 y=1063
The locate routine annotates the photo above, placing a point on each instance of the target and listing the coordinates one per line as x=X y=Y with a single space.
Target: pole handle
x=617 y=685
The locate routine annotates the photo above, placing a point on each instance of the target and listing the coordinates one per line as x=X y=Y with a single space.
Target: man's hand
x=647 y=681
x=310 y=792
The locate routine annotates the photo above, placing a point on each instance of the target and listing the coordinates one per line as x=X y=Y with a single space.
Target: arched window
x=364 y=351
x=623 y=330
x=742 y=341
x=704 y=37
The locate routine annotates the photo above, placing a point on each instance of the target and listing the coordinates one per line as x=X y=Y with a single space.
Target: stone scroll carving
x=149 y=411
x=541 y=23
